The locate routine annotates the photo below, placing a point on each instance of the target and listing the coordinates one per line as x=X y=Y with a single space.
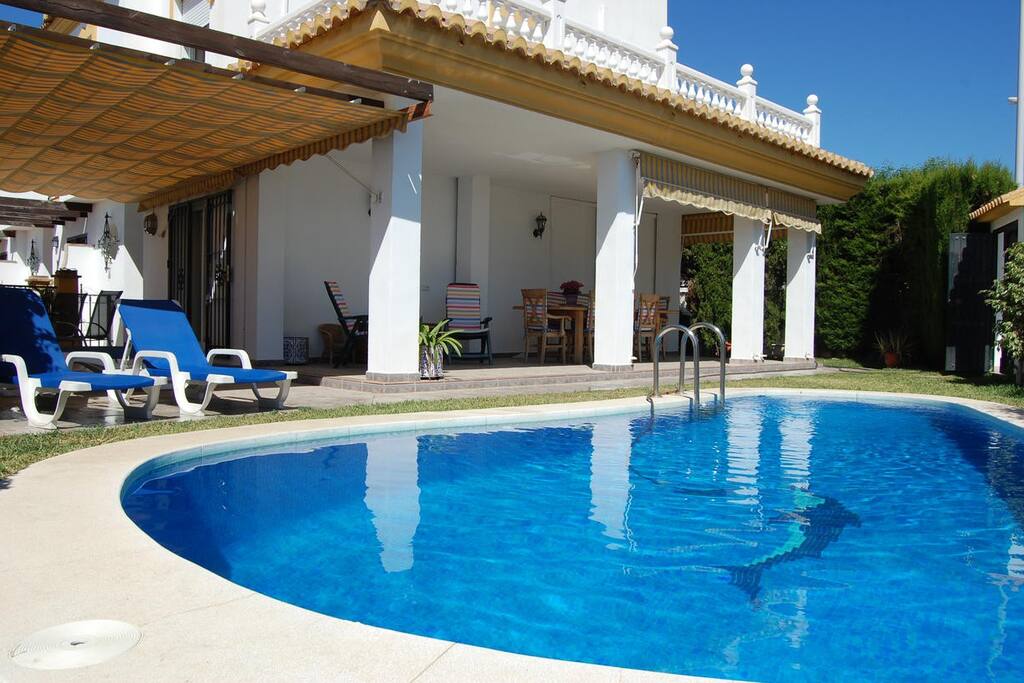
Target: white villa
x=579 y=110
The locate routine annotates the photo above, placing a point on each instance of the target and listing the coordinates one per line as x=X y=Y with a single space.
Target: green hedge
x=881 y=261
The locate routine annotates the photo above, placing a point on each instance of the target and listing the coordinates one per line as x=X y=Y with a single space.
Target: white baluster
x=511 y=25
x=591 y=54
x=538 y=31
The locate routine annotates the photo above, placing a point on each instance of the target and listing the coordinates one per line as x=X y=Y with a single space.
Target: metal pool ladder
x=689 y=337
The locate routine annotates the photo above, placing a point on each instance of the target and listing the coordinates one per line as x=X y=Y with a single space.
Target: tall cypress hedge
x=881 y=261
x=882 y=258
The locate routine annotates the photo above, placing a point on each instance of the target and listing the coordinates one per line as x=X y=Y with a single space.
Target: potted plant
x=894 y=347
x=435 y=343
x=571 y=289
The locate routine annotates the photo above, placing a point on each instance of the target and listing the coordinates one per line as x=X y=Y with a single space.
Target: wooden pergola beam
x=190 y=64
x=151 y=26
x=9 y=218
x=19 y=204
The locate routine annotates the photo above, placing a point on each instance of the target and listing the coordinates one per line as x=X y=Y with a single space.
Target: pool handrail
x=692 y=338
x=721 y=353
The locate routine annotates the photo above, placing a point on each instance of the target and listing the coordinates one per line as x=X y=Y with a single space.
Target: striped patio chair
x=462 y=309
x=588 y=324
x=556 y=297
x=354 y=326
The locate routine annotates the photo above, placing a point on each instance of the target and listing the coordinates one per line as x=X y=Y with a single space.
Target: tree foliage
x=882 y=259
x=1007 y=299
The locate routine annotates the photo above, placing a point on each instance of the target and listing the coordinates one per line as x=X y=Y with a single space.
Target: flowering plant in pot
x=435 y=343
x=571 y=289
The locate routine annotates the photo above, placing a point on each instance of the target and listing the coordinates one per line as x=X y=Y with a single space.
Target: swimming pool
x=779 y=539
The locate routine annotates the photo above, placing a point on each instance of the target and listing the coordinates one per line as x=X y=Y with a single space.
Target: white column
x=393 y=498
x=747 y=289
x=613 y=270
x=800 y=286
x=394 y=290
x=473 y=234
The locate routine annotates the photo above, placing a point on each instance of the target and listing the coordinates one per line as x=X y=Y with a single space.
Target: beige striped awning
x=682 y=183
x=102 y=122
x=702 y=228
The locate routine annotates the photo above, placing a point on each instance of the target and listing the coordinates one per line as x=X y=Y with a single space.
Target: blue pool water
x=781 y=539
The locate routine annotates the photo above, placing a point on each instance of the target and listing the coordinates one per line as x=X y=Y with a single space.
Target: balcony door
x=199 y=265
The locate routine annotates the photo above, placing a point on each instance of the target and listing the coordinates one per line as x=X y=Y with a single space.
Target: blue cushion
x=161 y=326
x=99 y=381
x=27 y=332
x=240 y=375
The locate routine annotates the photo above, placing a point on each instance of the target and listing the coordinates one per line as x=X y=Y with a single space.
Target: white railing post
x=257 y=16
x=814 y=114
x=667 y=50
x=748 y=86
x=554 y=37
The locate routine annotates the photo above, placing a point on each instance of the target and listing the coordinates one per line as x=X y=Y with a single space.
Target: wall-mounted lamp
x=542 y=224
x=107 y=244
x=33 y=259
x=149 y=224
x=55 y=243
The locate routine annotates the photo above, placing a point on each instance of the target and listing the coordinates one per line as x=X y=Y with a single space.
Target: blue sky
x=900 y=81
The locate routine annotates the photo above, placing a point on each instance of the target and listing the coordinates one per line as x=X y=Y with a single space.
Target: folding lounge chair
x=32 y=360
x=355 y=326
x=166 y=346
x=462 y=309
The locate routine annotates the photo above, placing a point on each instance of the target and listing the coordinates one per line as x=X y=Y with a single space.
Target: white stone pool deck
x=70 y=553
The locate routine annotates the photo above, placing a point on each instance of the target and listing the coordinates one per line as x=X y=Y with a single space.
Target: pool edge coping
x=112 y=467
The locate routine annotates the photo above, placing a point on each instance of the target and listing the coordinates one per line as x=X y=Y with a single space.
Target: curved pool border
x=72 y=553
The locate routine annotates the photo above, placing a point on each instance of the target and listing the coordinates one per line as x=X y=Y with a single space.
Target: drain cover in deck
x=74 y=645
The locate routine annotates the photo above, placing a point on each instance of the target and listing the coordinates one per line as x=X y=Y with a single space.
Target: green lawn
x=20 y=451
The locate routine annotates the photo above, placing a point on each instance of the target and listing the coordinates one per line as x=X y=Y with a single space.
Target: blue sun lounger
x=33 y=362
x=166 y=346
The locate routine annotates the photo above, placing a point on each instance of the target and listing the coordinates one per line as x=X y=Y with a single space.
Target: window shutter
x=195 y=12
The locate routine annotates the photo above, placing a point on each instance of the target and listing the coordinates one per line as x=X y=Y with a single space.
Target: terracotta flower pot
x=891 y=359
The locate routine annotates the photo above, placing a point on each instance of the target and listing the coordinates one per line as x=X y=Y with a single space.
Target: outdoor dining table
x=577 y=313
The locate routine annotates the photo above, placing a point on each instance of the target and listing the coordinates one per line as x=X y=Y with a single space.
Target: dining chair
x=588 y=324
x=538 y=324
x=645 y=324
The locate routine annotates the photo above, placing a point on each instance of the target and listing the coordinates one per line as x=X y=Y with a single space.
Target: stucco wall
x=314 y=216
x=566 y=252
x=634 y=21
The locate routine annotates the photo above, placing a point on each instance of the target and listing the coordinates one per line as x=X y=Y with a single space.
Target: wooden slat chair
x=354 y=326
x=539 y=325
x=462 y=309
x=588 y=325
x=662 y=318
x=645 y=325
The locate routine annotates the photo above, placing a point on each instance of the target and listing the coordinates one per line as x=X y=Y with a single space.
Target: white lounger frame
x=29 y=388
x=180 y=380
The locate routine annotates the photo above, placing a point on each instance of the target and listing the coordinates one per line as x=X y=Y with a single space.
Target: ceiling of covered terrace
x=467 y=135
